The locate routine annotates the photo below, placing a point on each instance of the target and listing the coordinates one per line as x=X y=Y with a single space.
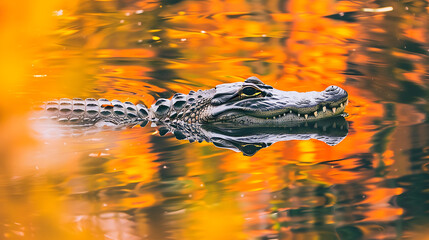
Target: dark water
x=136 y=184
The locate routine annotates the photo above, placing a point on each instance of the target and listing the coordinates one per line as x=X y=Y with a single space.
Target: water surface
x=136 y=184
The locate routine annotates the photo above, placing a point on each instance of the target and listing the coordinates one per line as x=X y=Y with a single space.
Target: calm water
x=136 y=184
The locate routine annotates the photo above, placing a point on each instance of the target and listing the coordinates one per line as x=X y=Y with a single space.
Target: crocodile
x=249 y=103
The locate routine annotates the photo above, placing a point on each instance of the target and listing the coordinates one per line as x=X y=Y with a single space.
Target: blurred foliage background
x=134 y=184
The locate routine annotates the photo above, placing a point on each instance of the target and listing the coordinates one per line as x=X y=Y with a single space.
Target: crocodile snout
x=335 y=92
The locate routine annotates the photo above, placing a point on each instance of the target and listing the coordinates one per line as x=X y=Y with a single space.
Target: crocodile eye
x=250 y=92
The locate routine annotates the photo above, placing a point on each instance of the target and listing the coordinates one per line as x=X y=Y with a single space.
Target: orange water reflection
x=134 y=184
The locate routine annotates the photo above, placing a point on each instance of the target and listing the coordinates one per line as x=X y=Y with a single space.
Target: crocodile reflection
x=250 y=140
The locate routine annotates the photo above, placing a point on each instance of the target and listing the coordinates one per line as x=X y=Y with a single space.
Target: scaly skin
x=248 y=103
x=88 y=112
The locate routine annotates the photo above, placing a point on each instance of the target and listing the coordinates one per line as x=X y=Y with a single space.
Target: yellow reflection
x=307 y=152
x=220 y=221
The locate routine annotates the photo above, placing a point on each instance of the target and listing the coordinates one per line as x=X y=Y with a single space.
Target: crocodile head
x=254 y=103
x=250 y=103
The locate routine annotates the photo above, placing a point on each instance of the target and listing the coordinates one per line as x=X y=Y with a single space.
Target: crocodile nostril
x=331 y=88
x=335 y=91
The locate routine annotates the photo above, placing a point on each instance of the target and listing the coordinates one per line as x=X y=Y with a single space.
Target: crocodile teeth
x=347 y=102
x=290 y=111
x=341 y=105
x=315 y=125
x=315 y=113
x=324 y=108
x=274 y=117
x=306 y=116
x=299 y=115
x=284 y=114
x=334 y=110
